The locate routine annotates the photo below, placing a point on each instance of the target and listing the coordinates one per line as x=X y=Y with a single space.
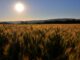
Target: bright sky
x=39 y=9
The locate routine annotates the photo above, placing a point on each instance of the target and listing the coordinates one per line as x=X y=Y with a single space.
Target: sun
x=19 y=7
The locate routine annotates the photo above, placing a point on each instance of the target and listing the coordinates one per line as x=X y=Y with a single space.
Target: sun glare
x=19 y=7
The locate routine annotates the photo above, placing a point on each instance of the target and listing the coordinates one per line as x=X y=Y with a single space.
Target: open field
x=40 y=42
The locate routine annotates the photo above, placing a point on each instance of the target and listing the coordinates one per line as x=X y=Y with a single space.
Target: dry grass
x=39 y=42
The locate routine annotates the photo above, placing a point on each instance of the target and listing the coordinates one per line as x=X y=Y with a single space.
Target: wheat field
x=39 y=41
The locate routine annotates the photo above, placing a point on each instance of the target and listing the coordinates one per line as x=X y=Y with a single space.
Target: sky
x=39 y=9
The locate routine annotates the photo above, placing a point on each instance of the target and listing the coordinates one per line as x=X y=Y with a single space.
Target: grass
x=40 y=42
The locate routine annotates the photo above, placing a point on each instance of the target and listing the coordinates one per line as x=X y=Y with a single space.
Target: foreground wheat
x=40 y=42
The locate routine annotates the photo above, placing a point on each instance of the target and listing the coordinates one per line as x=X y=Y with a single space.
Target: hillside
x=48 y=21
